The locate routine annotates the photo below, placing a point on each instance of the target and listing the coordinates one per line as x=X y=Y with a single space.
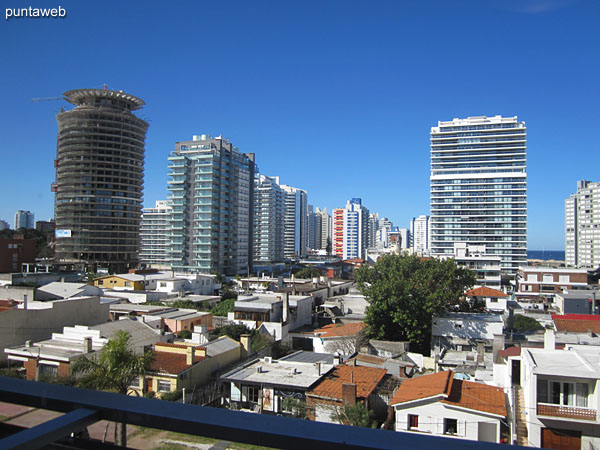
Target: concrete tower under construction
x=99 y=180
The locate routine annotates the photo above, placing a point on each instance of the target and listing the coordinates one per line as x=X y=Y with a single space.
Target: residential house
x=536 y=283
x=464 y=331
x=441 y=405
x=561 y=393
x=263 y=385
x=495 y=300
x=341 y=338
x=36 y=321
x=177 y=366
x=273 y=314
x=577 y=323
x=53 y=357
x=346 y=385
x=578 y=302
x=58 y=290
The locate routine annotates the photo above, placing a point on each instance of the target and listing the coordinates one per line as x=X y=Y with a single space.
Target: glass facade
x=479 y=187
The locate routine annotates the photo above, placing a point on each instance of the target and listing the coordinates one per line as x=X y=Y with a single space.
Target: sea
x=558 y=255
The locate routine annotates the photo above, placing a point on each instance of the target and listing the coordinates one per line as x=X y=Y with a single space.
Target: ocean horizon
x=558 y=255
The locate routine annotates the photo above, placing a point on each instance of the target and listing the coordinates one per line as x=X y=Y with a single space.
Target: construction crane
x=46 y=99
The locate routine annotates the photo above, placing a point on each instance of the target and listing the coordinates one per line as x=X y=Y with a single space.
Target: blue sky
x=335 y=97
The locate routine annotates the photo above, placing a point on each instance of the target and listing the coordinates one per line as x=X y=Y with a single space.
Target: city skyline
x=335 y=99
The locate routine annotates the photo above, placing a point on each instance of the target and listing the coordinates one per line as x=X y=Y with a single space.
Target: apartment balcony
x=566 y=412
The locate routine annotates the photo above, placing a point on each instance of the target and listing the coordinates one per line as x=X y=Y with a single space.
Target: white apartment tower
x=420 y=234
x=154 y=234
x=479 y=187
x=582 y=226
x=295 y=222
x=268 y=220
x=211 y=194
x=326 y=224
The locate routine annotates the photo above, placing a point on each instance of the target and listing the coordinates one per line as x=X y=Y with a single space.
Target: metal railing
x=84 y=407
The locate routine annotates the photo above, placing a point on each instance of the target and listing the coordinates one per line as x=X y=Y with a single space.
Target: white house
x=276 y=314
x=463 y=331
x=441 y=405
x=495 y=300
x=561 y=392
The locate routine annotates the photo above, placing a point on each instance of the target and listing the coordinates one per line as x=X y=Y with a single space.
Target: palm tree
x=114 y=368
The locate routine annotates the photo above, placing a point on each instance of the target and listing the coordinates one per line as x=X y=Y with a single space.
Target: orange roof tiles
x=485 y=292
x=341 y=329
x=422 y=387
x=577 y=323
x=464 y=394
x=365 y=378
x=173 y=363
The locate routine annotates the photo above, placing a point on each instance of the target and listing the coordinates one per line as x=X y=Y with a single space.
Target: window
x=135 y=383
x=163 y=386
x=100 y=282
x=127 y=284
x=163 y=284
x=562 y=393
x=48 y=370
x=450 y=426
x=252 y=394
x=413 y=422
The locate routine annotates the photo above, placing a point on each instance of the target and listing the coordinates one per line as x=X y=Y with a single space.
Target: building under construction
x=99 y=180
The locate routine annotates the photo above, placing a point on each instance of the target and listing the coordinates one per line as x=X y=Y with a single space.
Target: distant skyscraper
x=582 y=226
x=326 y=232
x=350 y=230
x=24 y=219
x=295 y=222
x=4 y=225
x=479 y=187
x=268 y=220
x=99 y=179
x=314 y=229
x=420 y=234
x=154 y=234
x=212 y=199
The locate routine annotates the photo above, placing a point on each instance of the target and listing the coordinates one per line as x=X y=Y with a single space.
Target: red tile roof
x=365 y=378
x=464 y=394
x=510 y=351
x=485 y=292
x=172 y=363
x=577 y=323
x=341 y=329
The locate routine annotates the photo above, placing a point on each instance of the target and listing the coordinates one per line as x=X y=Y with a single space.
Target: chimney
x=28 y=343
x=25 y=301
x=497 y=345
x=549 y=339
x=480 y=353
x=286 y=307
x=190 y=353
x=349 y=394
x=245 y=341
x=87 y=344
x=318 y=365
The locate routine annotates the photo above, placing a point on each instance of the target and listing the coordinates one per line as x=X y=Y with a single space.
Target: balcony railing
x=84 y=407
x=567 y=412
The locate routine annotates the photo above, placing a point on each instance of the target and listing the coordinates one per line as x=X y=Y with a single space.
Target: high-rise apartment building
x=155 y=235
x=420 y=234
x=314 y=229
x=582 y=226
x=350 y=230
x=24 y=219
x=326 y=230
x=295 y=222
x=479 y=187
x=99 y=179
x=212 y=199
x=268 y=220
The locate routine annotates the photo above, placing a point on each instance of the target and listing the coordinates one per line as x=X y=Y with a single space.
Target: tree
x=356 y=415
x=308 y=272
x=223 y=307
x=114 y=368
x=526 y=323
x=404 y=293
x=184 y=334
